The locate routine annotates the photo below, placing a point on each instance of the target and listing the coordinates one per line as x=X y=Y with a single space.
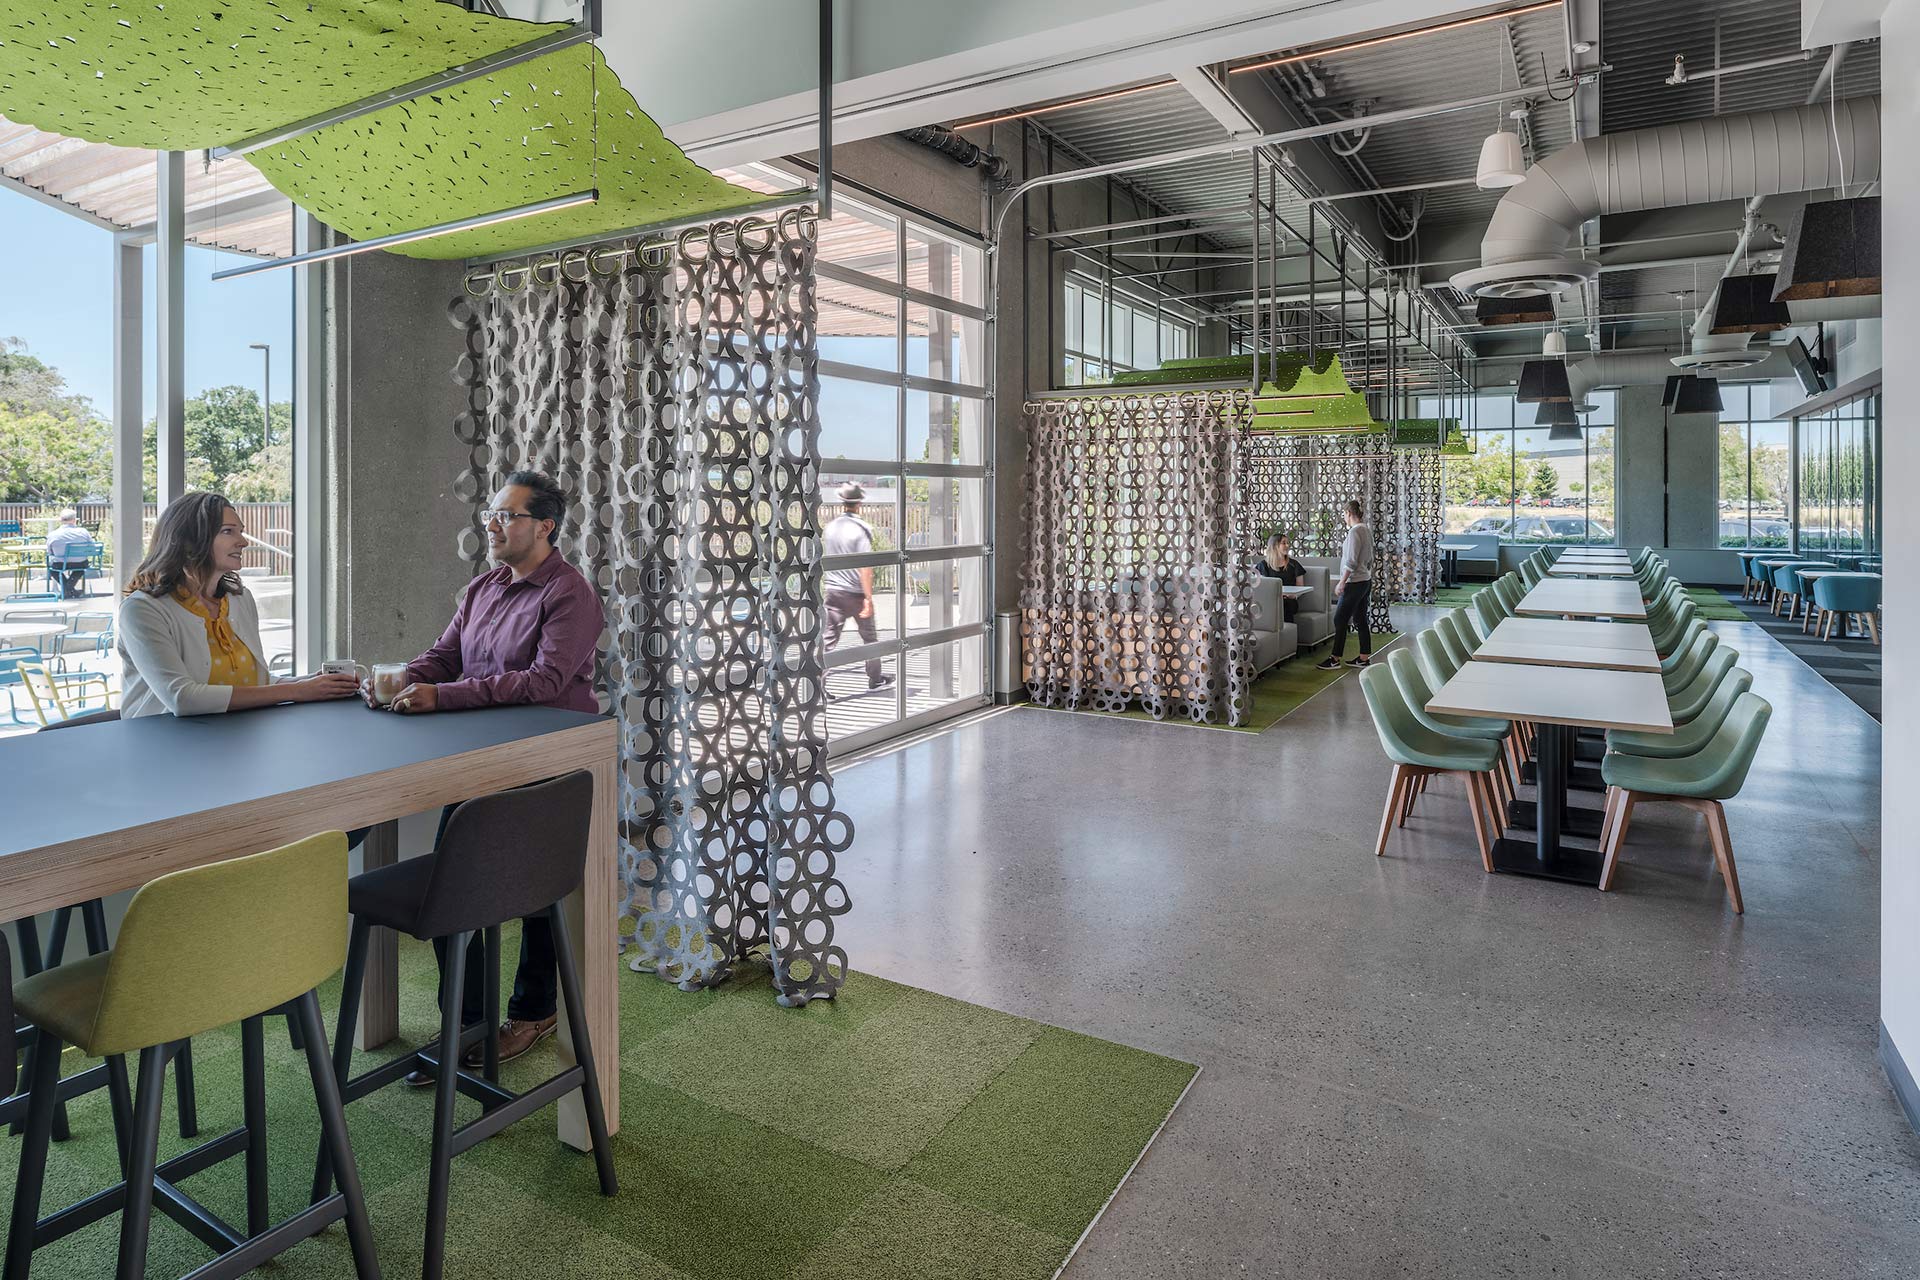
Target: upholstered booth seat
x=1315 y=615
x=1274 y=639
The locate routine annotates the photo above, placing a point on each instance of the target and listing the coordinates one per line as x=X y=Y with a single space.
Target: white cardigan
x=165 y=658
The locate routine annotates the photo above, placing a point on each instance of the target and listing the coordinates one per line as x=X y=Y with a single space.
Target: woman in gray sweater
x=1354 y=591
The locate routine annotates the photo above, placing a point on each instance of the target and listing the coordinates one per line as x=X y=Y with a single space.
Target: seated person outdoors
x=68 y=533
x=525 y=632
x=188 y=632
x=1278 y=562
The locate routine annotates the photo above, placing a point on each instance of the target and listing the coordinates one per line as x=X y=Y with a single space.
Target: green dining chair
x=1511 y=592
x=1701 y=781
x=1418 y=754
x=1417 y=687
x=1689 y=661
x=232 y=941
x=1488 y=612
x=1689 y=737
x=1694 y=627
x=1436 y=658
x=1456 y=622
x=1669 y=635
x=1690 y=701
x=1444 y=634
x=1531 y=573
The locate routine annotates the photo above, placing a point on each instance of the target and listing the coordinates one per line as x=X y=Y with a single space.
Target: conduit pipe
x=1738 y=157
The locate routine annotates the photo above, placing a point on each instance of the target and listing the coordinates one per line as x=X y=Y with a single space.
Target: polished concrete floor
x=1412 y=1068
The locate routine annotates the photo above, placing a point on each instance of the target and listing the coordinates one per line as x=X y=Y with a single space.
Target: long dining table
x=1582 y=598
x=1560 y=677
x=111 y=806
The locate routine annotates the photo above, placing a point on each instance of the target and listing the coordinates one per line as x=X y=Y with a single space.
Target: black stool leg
x=183 y=1087
x=446 y=1085
x=120 y=1102
x=32 y=961
x=491 y=986
x=253 y=1110
x=333 y=1134
x=57 y=937
x=583 y=1050
x=344 y=1028
x=44 y=1072
x=137 y=1213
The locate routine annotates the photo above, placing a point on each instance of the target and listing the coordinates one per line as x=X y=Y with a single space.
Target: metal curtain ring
x=595 y=256
x=534 y=269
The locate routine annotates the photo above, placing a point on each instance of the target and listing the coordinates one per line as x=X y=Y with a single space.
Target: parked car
x=1760 y=532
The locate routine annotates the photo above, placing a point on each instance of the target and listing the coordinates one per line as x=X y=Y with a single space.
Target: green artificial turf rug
x=888 y=1133
x=1713 y=605
x=1280 y=691
x=1460 y=596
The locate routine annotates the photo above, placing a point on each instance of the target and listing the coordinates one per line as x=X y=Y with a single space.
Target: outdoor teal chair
x=1841 y=595
x=1689 y=661
x=1418 y=753
x=1701 y=781
x=1688 y=703
x=1691 y=736
x=1787 y=585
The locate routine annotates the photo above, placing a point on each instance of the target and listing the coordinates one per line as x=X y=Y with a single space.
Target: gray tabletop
x=94 y=779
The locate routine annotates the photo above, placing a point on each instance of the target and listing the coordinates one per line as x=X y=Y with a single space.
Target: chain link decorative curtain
x=673 y=391
x=1136 y=586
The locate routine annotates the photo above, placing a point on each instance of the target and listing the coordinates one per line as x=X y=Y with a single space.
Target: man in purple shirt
x=525 y=632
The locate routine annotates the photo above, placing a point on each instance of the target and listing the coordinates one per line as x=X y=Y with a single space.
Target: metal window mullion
x=940 y=386
x=904 y=292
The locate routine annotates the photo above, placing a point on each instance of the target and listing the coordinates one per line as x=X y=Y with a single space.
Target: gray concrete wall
x=1667 y=476
x=392 y=456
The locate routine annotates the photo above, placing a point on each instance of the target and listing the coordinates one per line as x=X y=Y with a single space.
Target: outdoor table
x=1606 y=646
x=179 y=793
x=30 y=629
x=1450 y=561
x=1557 y=700
x=1564 y=598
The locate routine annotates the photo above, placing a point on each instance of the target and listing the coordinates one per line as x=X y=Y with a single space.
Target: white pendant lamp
x=1501 y=164
x=1554 y=344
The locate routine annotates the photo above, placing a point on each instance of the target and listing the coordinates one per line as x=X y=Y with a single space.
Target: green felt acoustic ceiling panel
x=193 y=74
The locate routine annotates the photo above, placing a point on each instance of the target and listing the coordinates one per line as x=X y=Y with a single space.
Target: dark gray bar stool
x=500 y=857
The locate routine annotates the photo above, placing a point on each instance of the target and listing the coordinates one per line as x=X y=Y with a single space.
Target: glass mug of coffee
x=387 y=680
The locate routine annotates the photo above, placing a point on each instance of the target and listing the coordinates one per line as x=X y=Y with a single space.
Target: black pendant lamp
x=1695 y=395
x=1833 y=251
x=1561 y=417
x=1534 y=309
x=1543 y=382
x=1746 y=305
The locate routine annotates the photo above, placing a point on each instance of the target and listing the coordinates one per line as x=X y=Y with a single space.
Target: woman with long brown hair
x=188 y=631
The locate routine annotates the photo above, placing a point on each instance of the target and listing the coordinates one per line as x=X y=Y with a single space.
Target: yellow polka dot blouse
x=233 y=662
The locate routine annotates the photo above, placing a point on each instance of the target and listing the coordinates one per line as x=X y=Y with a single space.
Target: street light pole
x=266 y=390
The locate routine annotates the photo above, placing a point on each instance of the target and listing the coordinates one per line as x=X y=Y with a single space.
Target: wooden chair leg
x=1474 y=782
x=1606 y=817
x=1722 y=839
x=1393 y=805
x=1408 y=794
x=1618 y=837
x=1872 y=620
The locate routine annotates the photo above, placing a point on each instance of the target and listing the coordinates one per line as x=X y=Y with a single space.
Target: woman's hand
x=323 y=687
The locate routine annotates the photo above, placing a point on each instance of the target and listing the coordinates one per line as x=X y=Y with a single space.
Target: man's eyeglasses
x=504 y=518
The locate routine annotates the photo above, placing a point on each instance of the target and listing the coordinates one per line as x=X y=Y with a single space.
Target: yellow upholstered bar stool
x=229 y=942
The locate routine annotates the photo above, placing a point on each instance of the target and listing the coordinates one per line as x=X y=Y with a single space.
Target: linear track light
x=408 y=237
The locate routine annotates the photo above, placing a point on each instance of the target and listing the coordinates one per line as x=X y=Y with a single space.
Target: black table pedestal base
x=1580 y=776
x=1578 y=822
x=1569 y=866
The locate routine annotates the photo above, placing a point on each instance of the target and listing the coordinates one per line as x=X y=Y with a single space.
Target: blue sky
x=58 y=297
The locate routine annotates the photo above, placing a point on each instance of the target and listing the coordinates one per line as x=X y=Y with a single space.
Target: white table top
x=1595 y=551
x=1811 y=574
x=1536 y=642
x=1559 y=597
x=28 y=630
x=1591 y=569
x=1584 y=635
x=1294 y=593
x=1634 y=700
x=1458 y=546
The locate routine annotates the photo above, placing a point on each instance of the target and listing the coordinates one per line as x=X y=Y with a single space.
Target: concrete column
x=170 y=328
x=310 y=480
x=129 y=484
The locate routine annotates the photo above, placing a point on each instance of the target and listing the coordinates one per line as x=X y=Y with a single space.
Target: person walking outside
x=1354 y=592
x=849 y=592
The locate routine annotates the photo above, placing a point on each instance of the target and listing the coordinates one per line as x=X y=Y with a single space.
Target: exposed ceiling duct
x=1652 y=368
x=1724 y=158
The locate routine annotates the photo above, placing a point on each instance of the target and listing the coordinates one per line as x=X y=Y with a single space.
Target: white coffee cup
x=343 y=667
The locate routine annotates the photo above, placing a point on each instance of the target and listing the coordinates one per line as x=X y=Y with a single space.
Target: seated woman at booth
x=189 y=633
x=1279 y=563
